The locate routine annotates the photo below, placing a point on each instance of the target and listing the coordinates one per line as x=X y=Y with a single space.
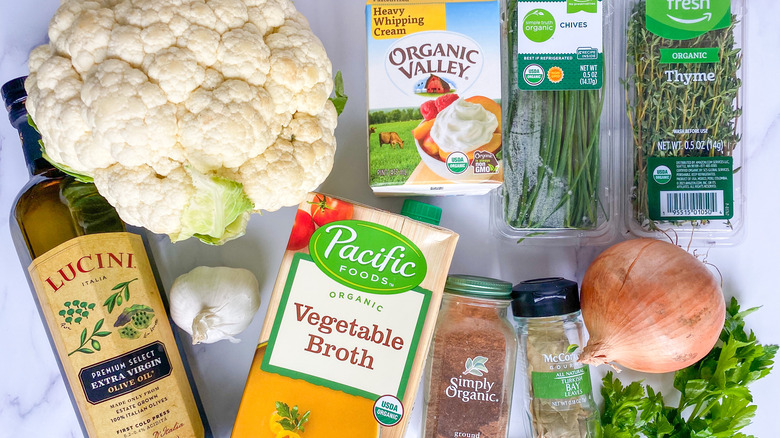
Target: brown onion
x=650 y=306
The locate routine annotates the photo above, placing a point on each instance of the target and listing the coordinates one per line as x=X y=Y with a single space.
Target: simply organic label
x=100 y=300
x=687 y=19
x=560 y=44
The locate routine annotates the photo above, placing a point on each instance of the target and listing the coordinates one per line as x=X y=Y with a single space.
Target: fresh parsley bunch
x=714 y=397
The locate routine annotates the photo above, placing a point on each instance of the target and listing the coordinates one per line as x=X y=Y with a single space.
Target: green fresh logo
x=573 y=6
x=686 y=19
x=662 y=175
x=538 y=25
x=368 y=257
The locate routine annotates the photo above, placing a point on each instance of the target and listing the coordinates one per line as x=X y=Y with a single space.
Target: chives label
x=560 y=45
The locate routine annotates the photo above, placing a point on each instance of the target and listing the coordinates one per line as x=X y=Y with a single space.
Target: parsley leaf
x=290 y=419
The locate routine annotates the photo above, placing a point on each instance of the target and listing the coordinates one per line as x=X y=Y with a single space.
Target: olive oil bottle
x=98 y=294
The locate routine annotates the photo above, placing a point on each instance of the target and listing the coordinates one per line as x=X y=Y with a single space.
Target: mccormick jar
x=551 y=333
x=471 y=364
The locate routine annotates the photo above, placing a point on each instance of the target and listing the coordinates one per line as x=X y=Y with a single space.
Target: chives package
x=557 y=101
x=684 y=102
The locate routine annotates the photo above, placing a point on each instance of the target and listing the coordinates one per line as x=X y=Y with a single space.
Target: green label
x=561 y=384
x=368 y=257
x=687 y=19
x=709 y=55
x=693 y=188
x=573 y=6
x=561 y=45
x=538 y=25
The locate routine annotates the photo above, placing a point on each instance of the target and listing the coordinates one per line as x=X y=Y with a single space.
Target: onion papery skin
x=650 y=306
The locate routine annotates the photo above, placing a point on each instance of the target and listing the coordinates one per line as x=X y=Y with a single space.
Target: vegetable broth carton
x=348 y=326
x=434 y=89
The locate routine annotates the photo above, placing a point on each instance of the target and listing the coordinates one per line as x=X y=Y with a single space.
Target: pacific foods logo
x=686 y=19
x=434 y=62
x=368 y=257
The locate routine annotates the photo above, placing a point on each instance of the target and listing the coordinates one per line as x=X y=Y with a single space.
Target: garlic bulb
x=216 y=303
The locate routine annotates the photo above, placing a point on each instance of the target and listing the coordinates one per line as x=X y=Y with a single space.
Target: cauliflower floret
x=187 y=114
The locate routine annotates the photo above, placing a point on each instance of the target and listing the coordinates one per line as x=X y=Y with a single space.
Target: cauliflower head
x=188 y=115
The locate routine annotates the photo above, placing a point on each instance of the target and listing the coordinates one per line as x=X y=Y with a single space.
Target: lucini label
x=560 y=44
x=434 y=89
x=106 y=317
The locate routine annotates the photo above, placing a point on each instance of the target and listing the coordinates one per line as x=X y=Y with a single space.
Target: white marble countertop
x=33 y=400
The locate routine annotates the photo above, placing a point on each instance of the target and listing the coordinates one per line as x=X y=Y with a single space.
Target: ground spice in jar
x=470 y=368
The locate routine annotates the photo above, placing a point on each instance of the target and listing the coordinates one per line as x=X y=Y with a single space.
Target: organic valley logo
x=687 y=19
x=434 y=62
x=368 y=257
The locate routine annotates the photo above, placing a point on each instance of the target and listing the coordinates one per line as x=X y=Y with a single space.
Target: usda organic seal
x=457 y=162
x=388 y=410
x=662 y=174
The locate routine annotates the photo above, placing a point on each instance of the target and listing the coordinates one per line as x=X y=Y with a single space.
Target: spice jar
x=551 y=334
x=470 y=369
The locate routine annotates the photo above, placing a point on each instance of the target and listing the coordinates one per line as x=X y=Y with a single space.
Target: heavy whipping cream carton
x=434 y=89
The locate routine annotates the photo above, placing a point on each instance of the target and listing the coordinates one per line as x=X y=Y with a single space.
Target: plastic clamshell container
x=555 y=107
x=683 y=175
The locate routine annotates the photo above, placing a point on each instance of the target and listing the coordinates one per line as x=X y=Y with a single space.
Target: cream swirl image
x=463 y=127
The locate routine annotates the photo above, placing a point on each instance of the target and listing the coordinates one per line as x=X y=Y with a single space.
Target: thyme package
x=684 y=106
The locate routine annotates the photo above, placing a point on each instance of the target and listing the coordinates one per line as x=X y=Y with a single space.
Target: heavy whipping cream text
x=463 y=126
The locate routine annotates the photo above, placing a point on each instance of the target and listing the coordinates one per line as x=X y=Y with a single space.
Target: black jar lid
x=545 y=297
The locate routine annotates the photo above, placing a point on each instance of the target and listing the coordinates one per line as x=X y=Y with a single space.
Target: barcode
x=700 y=203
